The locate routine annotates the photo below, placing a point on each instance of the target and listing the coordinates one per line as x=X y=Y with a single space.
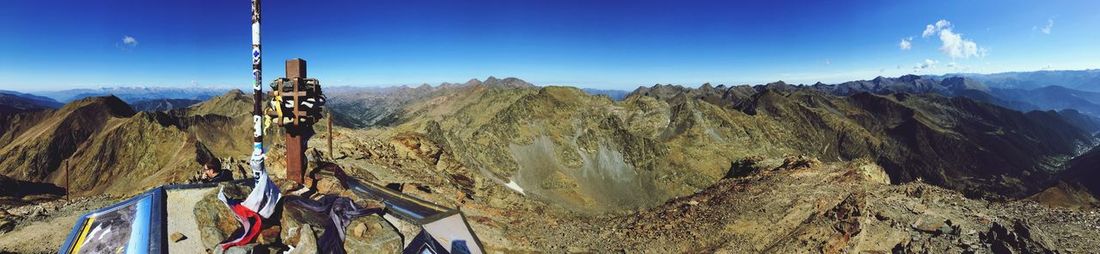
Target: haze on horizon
x=605 y=45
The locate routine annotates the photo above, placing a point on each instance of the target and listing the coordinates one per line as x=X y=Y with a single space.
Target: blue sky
x=51 y=45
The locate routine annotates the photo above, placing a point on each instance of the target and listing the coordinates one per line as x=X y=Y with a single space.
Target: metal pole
x=257 y=89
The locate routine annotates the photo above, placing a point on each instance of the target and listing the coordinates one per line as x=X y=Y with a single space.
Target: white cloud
x=942 y=24
x=928 y=63
x=929 y=30
x=1046 y=29
x=954 y=45
x=932 y=29
x=827 y=62
x=129 y=41
x=906 y=43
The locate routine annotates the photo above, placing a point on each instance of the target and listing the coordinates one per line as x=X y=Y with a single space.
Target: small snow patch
x=514 y=186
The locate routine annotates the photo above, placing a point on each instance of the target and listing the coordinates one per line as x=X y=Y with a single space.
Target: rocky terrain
x=801 y=205
x=733 y=169
x=101 y=145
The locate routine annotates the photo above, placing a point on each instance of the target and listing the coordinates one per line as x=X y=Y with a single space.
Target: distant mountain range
x=1085 y=80
x=163 y=104
x=361 y=107
x=11 y=102
x=1042 y=98
x=137 y=94
x=617 y=95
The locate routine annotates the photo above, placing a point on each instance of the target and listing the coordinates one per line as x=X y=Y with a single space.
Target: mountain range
x=774 y=162
x=136 y=94
x=649 y=135
x=12 y=102
x=1043 y=98
x=1086 y=80
x=560 y=142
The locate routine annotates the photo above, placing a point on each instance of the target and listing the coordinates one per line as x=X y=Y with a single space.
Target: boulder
x=213 y=218
x=932 y=224
x=372 y=234
x=871 y=172
x=294 y=219
x=1018 y=238
x=367 y=234
x=744 y=167
x=799 y=162
x=306 y=241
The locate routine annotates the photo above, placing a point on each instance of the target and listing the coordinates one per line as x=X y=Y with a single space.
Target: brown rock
x=799 y=162
x=177 y=237
x=328 y=185
x=1019 y=238
x=269 y=235
x=307 y=242
x=930 y=224
x=214 y=221
x=372 y=234
x=358 y=229
x=6 y=225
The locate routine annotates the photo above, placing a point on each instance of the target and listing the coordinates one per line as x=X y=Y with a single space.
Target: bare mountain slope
x=101 y=145
x=590 y=154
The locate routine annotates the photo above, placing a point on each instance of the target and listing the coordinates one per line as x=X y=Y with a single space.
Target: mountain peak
x=109 y=104
x=232 y=103
x=509 y=82
x=909 y=77
x=235 y=92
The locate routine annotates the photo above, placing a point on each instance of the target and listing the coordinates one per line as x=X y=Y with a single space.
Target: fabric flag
x=250 y=224
x=265 y=195
x=259 y=204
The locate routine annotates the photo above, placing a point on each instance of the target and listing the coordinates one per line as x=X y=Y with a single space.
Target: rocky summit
x=911 y=164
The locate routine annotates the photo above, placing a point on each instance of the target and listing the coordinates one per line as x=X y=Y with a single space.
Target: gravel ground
x=182 y=214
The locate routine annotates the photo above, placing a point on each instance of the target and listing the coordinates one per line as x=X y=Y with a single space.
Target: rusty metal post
x=295 y=145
